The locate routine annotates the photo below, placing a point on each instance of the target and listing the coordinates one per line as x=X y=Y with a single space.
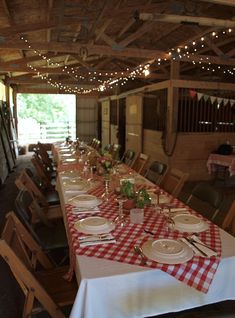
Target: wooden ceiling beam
x=49 y=90
x=69 y=47
x=183 y=19
x=25 y=60
x=50 y=6
x=206 y=59
x=33 y=27
x=100 y=31
x=6 y=9
x=126 y=27
x=209 y=43
x=108 y=40
x=223 y=2
x=54 y=70
x=134 y=36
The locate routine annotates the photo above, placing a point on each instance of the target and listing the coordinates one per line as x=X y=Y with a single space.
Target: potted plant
x=142 y=199
x=128 y=191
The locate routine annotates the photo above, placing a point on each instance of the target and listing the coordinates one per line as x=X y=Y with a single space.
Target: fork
x=194 y=241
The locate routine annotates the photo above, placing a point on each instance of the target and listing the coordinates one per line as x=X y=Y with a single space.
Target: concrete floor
x=11 y=297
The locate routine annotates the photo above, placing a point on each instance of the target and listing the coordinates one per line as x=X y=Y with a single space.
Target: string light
x=188 y=51
x=140 y=70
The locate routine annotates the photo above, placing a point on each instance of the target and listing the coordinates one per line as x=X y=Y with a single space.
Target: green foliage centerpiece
x=137 y=199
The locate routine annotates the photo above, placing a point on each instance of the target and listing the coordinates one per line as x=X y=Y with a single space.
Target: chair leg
x=28 y=305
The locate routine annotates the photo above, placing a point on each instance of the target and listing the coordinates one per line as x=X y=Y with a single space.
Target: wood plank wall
x=191 y=151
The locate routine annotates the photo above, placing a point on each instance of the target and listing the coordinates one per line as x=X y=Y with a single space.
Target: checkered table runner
x=198 y=272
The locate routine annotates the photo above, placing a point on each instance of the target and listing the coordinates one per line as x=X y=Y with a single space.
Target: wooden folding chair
x=43 y=174
x=140 y=163
x=229 y=220
x=128 y=157
x=49 y=233
x=24 y=181
x=45 y=287
x=42 y=152
x=173 y=181
x=206 y=200
x=156 y=172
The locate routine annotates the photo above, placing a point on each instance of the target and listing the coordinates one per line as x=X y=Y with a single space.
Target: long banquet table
x=112 y=285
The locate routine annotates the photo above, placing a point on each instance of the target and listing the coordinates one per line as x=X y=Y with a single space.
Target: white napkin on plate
x=177 y=210
x=206 y=249
x=96 y=240
x=77 y=210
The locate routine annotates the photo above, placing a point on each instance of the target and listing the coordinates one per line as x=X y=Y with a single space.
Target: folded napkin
x=198 y=245
x=77 y=210
x=96 y=240
x=177 y=210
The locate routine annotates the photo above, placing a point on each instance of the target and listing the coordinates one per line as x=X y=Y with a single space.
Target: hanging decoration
x=213 y=99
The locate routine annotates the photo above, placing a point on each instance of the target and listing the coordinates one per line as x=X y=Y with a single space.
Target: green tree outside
x=43 y=108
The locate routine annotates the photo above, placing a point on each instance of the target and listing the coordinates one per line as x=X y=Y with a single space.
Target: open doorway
x=46 y=117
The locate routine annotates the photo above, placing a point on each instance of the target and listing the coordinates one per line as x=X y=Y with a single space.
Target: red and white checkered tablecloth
x=197 y=273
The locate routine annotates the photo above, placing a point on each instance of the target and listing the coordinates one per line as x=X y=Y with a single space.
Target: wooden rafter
x=223 y=2
x=69 y=47
x=50 y=6
x=134 y=36
x=171 y=18
x=32 y=27
x=59 y=70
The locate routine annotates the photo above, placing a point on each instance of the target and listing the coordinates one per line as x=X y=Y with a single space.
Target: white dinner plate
x=66 y=155
x=189 y=223
x=183 y=256
x=69 y=160
x=85 y=201
x=167 y=248
x=94 y=225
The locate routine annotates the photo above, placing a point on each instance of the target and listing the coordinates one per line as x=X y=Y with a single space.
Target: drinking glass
x=121 y=217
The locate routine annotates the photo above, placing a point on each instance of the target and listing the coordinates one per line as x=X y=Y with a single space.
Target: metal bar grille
x=204 y=116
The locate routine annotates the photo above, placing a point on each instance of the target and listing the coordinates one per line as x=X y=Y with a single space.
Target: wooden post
x=172 y=109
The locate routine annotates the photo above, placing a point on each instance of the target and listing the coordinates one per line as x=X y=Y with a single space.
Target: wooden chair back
x=128 y=157
x=205 y=199
x=46 y=286
x=156 y=172
x=140 y=163
x=42 y=173
x=173 y=181
x=23 y=243
x=229 y=220
x=42 y=152
x=24 y=181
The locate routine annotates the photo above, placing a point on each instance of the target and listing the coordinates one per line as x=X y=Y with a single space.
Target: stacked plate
x=189 y=223
x=167 y=251
x=94 y=225
x=85 y=201
x=76 y=184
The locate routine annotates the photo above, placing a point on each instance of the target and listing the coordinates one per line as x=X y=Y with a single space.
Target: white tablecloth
x=110 y=289
x=113 y=289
